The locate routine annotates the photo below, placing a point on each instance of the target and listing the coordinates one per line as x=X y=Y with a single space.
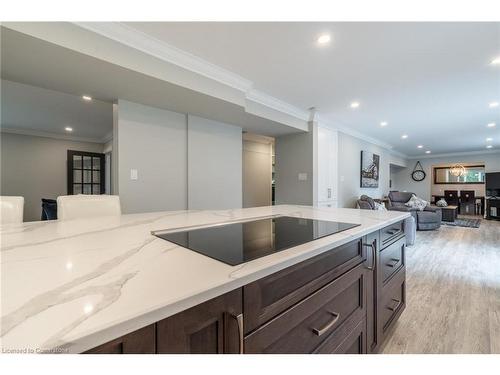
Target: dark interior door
x=85 y=173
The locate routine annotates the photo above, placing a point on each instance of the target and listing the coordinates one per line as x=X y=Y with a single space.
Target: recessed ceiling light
x=383 y=123
x=68 y=128
x=491 y=125
x=489 y=146
x=493 y=104
x=427 y=152
x=87 y=98
x=324 y=39
x=495 y=61
x=489 y=139
x=420 y=146
x=404 y=136
x=355 y=105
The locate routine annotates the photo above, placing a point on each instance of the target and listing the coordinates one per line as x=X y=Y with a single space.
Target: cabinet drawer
x=354 y=343
x=141 y=341
x=331 y=310
x=391 y=232
x=266 y=298
x=392 y=258
x=393 y=300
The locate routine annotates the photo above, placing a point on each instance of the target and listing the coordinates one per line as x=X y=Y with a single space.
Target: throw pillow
x=416 y=203
x=380 y=206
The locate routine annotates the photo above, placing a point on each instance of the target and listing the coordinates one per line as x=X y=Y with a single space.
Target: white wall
x=154 y=142
x=424 y=189
x=257 y=173
x=214 y=164
x=294 y=155
x=35 y=168
x=349 y=166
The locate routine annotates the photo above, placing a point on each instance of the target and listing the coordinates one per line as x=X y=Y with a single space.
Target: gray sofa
x=367 y=203
x=428 y=219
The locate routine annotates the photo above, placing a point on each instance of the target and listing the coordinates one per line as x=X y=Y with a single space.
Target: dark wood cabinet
x=344 y=300
x=331 y=311
x=212 y=327
x=267 y=297
x=142 y=341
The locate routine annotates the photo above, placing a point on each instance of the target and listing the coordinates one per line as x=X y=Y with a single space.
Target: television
x=493 y=184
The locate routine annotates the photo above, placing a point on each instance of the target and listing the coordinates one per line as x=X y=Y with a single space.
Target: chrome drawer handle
x=398 y=302
x=373 y=246
x=394 y=262
x=321 y=331
x=239 y=320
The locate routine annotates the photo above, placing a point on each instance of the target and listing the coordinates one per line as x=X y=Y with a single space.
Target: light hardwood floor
x=453 y=293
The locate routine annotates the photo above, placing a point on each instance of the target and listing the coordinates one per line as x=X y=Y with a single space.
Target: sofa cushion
x=416 y=202
x=428 y=217
x=399 y=196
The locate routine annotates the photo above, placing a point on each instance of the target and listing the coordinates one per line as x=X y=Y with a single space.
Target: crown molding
x=276 y=104
x=465 y=153
x=40 y=133
x=150 y=45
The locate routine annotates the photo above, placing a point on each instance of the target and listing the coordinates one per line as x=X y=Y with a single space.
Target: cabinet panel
x=392 y=259
x=141 y=341
x=329 y=311
x=391 y=233
x=353 y=343
x=209 y=328
x=393 y=301
x=270 y=296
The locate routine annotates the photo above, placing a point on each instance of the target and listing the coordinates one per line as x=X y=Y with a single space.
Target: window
x=85 y=173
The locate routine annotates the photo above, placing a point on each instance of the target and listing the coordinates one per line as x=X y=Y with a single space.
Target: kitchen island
x=109 y=285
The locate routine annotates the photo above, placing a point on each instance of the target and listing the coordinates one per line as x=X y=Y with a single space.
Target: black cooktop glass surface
x=237 y=243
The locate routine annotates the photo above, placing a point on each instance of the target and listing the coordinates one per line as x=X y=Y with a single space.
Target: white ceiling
x=64 y=71
x=30 y=108
x=431 y=81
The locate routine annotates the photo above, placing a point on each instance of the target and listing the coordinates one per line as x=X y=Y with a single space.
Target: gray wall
x=35 y=168
x=403 y=180
x=294 y=155
x=349 y=169
x=214 y=164
x=257 y=173
x=154 y=142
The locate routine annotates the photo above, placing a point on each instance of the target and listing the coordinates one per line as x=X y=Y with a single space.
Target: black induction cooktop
x=236 y=243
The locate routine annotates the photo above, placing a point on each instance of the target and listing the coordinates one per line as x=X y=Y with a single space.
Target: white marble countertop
x=70 y=286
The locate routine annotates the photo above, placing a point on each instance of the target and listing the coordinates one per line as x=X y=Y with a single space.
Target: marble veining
x=70 y=286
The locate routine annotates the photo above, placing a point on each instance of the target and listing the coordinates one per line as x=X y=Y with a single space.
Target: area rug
x=468 y=223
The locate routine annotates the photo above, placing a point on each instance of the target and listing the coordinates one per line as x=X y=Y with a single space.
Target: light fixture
x=324 y=39
x=489 y=146
x=491 y=125
x=354 y=105
x=420 y=146
x=404 y=136
x=495 y=61
x=87 y=98
x=383 y=123
x=88 y=308
x=489 y=139
x=493 y=104
x=427 y=152
x=457 y=170
x=68 y=129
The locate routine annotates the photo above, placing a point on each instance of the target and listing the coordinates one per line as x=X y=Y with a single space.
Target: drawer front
x=354 y=343
x=266 y=298
x=391 y=232
x=392 y=259
x=142 y=341
x=393 y=300
x=329 y=311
